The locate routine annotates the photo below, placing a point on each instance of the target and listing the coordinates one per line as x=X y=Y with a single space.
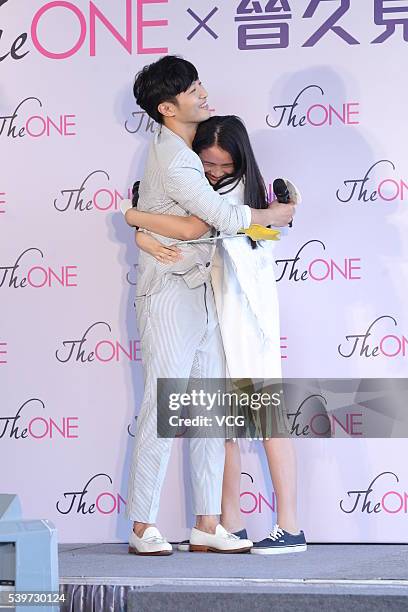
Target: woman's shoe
x=219 y=542
x=184 y=546
x=279 y=542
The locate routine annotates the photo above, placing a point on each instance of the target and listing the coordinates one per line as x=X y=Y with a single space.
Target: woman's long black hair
x=230 y=134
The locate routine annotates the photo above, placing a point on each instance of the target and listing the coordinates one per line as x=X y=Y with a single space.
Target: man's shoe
x=184 y=546
x=151 y=543
x=220 y=542
x=279 y=542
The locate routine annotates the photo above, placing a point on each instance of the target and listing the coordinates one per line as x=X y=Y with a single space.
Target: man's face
x=192 y=104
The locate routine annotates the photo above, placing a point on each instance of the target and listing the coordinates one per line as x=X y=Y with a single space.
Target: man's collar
x=167 y=131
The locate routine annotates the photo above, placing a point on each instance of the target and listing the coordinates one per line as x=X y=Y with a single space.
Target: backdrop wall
x=319 y=86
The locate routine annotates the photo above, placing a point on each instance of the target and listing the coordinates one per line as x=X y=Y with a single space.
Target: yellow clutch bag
x=259 y=232
x=254 y=231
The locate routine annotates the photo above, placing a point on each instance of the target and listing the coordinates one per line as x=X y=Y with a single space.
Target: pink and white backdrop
x=320 y=87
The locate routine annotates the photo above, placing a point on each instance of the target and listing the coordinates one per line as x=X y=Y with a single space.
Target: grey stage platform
x=326 y=577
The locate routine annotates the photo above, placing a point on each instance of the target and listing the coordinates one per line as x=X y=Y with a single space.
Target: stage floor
x=111 y=564
x=324 y=570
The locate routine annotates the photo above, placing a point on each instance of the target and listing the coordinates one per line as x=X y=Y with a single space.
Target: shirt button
x=207 y=264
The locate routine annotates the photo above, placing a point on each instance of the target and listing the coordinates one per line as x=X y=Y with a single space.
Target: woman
x=247 y=307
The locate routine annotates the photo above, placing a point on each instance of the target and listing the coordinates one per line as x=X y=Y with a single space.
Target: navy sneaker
x=279 y=542
x=241 y=534
x=184 y=546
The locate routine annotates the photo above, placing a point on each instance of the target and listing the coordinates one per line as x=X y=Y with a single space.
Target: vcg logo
x=253 y=501
x=369 y=188
x=83 y=25
x=29 y=118
x=94 y=193
x=95 y=496
x=30 y=422
x=307 y=266
x=380 y=496
x=94 y=346
x=375 y=342
x=304 y=110
x=25 y=272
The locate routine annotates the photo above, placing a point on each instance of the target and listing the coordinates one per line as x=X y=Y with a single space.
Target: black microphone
x=280 y=189
x=135 y=194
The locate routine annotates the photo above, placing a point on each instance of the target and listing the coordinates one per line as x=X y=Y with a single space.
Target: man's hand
x=282 y=213
x=277 y=214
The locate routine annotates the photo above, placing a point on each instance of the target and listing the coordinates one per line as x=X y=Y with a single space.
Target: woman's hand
x=163 y=254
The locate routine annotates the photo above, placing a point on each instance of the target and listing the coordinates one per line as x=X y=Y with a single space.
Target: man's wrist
x=262 y=216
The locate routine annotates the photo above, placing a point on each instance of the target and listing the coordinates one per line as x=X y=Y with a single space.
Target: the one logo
x=312 y=419
x=374 y=342
x=94 y=193
x=377 y=497
x=253 y=501
x=93 y=345
x=95 y=496
x=139 y=121
x=131 y=428
x=32 y=421
x=3 y=353
x=83 y=29
x=3 y=202
x=28 y=119
x=22 y=273
x=306 y=266
x=302 y=112
x=369 y=189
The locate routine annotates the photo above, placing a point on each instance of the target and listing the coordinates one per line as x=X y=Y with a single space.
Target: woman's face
x=217 y=163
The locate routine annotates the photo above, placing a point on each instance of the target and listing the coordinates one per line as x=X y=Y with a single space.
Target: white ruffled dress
x=246 y=298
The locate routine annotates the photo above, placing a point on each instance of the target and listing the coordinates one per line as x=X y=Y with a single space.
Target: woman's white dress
x=246 y=298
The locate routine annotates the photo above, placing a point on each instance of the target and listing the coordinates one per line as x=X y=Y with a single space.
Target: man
x=175 y=308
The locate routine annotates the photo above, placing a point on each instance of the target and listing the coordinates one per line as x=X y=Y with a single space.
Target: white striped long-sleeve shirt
x=174 y=183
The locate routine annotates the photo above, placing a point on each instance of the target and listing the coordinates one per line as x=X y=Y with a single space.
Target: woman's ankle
x=289 y=526
x=231 y=523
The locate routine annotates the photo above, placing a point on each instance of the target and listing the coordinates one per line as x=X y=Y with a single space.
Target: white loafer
x=151 y=543
x=220 y=542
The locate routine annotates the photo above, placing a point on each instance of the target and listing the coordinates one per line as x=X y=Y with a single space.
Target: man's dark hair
x=161 y=82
